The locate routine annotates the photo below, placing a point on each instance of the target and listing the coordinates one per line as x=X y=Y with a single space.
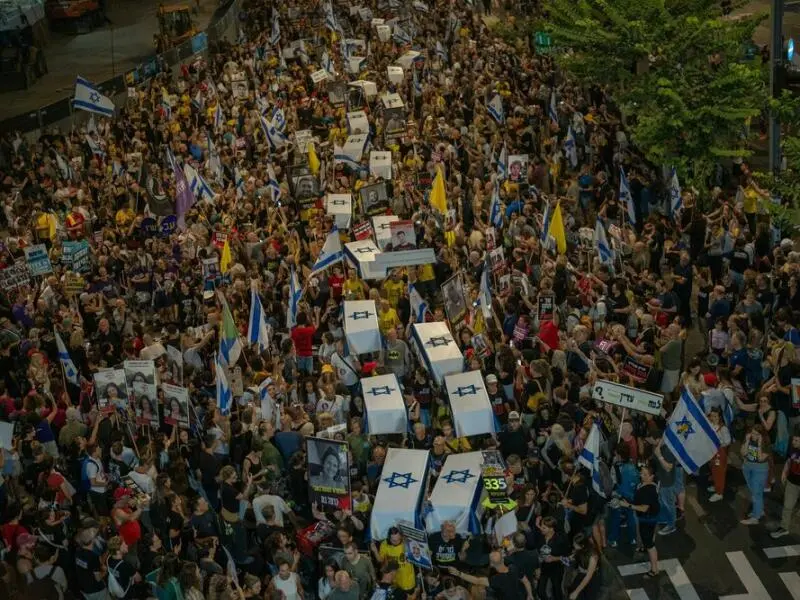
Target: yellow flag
x=557 y=230
x=438 y=198
x=313 y=161
x=225 y=261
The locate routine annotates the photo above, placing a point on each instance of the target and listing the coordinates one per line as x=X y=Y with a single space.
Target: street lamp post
x=776 y=58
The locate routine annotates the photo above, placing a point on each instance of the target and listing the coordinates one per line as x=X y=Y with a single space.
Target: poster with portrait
x=518 y=168
x=111 y=390
x=140 y=376
x=328 y=474
x=174 y=359
x=176 y=405
x=394 y=123
x=240 y=89
x=455 y=304
x=337 y=93
x=404 y=237
x=374 y=199
x=497 y=259
x=305 y=186
x=416 y=540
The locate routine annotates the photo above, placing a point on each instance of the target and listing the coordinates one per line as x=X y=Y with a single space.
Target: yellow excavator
x=174 y=25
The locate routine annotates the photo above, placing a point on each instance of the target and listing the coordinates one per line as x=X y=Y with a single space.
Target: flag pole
x=622 y=420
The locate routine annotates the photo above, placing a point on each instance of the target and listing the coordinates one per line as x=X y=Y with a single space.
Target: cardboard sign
x=636 y=370
x=395 y=74
x=362 y=230
x=392 y=100
x=38 y=260
x=76 y=256
x=302 y=138
x=357 y=122
x=384 y=32
x=319 y=76
x=546 y=307
x=627 y=397
x=74 y=284
x=380 y=164
x=15 y=276
x=369 y=88
x=408 y=58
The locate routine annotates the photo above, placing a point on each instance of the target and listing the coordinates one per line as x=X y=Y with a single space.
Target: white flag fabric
x=571 y=148
x=625 y=196
x=295 y=291
x=238 y=181
x=70 y=372
x=331 y=252
x=257 y=328
x=224 y=393
x=403 y=478
x=502 y=163
x=675 y=200
x=495 y=108
x=690 y=435
x=553 y=110
x=214 y=161
x=275 y=138
x=88 y=98
x=485 y=293
x=601 y=242
x=275 y=35
x=495 y=211
x=418 y=305
x=590 y=458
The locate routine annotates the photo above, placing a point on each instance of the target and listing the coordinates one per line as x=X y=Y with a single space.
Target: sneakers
x=710 y=488
x=667 y=530
x=715 y=498
x=612 y=544
x=749 y=521
x=778 y=533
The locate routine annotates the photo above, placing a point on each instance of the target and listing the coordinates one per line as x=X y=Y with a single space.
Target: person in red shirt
x=336 y=283
x=303 y=336
x=125 y=515
x=548 y=333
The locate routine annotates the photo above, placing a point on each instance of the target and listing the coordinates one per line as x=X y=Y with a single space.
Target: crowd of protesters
x=99 y=503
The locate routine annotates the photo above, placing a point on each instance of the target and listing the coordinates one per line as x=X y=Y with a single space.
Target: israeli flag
x=331 y=252
x=273 y=185
x=214 y=161
x=548 y=216
x=91 y=126
x=485 y=293
x=495 y=212
x=295 y=291
x=275 y=138
x=401 y=36
x=117 y=170
x=441 y=52
x=495 y=108
x=553 y=110
x=88 y=98
x=262 y=104
x=401 y=489
x=257 y=328
x=675 y=200
x=70 y=372
x=689 y=434
x=590 y=458
x=279 y=119
x=502 y=164
x=219 y=117
x=570 y=148
x=275 y=35
x=625 y=196
x=224 y=392
x=601 y=242
x=345 y=49
x=330 y=18
x=96 y=149
x=418 y=306
x=67 y=172
x=415 y=79
x=238 y=182
x=197 y=184
x=327 y=63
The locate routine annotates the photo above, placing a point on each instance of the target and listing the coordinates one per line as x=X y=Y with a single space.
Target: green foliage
x=786 y=183
x=675 y=67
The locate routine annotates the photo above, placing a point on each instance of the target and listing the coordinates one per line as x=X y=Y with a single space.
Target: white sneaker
x=778 y=533
x=710 y=488
x=749 y=521
x=715 y=498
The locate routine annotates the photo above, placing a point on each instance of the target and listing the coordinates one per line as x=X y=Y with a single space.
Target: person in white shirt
x=278 y=504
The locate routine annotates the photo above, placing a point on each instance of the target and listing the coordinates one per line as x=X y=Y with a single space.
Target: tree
x=676 y=69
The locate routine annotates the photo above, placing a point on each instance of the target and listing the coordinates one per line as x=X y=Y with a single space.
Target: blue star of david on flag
x=441 y=340
x=402 y=480
x=361 y=314
x=383 y=390
x=465 y=390
x=684 y=428
x=94 y=97
x=458 y=476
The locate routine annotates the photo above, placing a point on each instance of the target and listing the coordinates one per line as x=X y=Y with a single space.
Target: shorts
x=647 y=533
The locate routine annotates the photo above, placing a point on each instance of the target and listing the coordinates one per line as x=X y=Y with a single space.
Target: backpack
x=44 y=588
x=86 y=481
x=114 y=588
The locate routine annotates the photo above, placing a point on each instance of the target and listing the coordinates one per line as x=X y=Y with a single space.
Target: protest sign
x=76 y=256
x=328 y=473
x=74 y=284
x=38 y=260
x=15 y=276
x=627 y=397
x=416 y=540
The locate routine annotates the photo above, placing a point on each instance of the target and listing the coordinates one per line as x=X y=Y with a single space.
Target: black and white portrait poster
x=403 y=235
x=176 y=405
x=518 y=168
x=328 y=474
x=140 y=376
x=111 y=390
x=337 y=92
x=455 y=304
x=374 y=199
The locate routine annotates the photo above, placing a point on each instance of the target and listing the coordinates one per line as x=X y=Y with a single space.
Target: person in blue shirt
x=737 y=361
x=627 y=480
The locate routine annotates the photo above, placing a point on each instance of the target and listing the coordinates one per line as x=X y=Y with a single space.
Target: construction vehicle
x=175 y=25
x=74 y=16
x=22 y=61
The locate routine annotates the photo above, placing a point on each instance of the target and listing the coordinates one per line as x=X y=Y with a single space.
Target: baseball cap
x=491 y=379
x=710 y=379
x=513 y=416
x=122 y=492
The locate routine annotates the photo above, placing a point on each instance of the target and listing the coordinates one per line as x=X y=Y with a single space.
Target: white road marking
x=672 y=567
x=638 y=594
x=792 y=581
x=782 y=551
x=755 y=589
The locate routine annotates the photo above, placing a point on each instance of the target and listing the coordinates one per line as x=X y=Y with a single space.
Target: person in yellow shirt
x=353 y=288
x=394 y=287
x=393 y=548
x=387 y=317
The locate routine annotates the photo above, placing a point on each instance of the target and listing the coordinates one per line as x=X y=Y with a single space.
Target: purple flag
x=184 y=199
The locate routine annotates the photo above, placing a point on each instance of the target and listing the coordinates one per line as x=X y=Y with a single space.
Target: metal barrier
x=60 y=114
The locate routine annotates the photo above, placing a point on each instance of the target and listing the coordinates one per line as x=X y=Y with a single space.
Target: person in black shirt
x=554 y=546
x=388 y=572
x=447 y=547
x=513 y=439
x=646 y=505
x=122 y=570
x=577 y=503
x=505 y=581
x=526 y=561
x=89 y=572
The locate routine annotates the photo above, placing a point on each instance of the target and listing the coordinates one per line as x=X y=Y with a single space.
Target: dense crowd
x=150 y=450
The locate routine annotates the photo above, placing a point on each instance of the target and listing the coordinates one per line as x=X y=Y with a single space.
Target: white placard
x=319 y=76
x=369 y=88
x=340 y=207
x=357 y=122
x=354 y=64
x=395 y=74
x=392 y=100
x=376 y=22
x=380 y=164
x=384 y=33
x=302 y=138
x=627 y=397
x=408 y=58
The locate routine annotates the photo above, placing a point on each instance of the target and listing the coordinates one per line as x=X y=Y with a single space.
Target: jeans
x=614 y=521
x=668 y=495
x=790 y=498
x=305 y=364
x=756 y=474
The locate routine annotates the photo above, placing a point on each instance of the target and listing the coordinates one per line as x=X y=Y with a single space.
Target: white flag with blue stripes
x=331 y=252
x=238 y=182
x=590 y=458
x=548 y=215
x=601 y=242
x=275 y=138
x=279 y=119
x=418 y=305
x=495 y=211
x=441 y=52
x=275 y=34
x=625 y=196
x=295 y=291
x=214 y=161
x=327 y=63
x=675 y=200
x=224 y=392
x=70 y=372
x=689 y=434
x=502 y=163
x=495 y=108
x=88 y=98
x=485 y=293
x=571 y=148
x=67 y=172
x=219 y=117
x=330 y=18
x=257 y=328
x=415 y=79
x=273 y=185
